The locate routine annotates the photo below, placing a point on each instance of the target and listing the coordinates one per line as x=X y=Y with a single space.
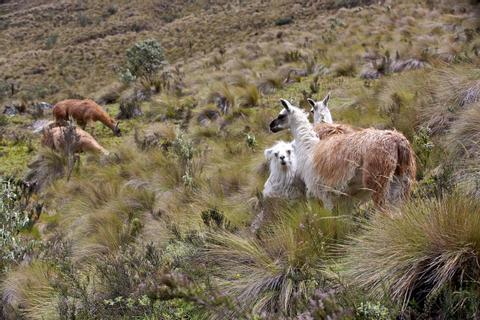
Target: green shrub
x=368 y=310
x=144 y=60
x=13 y=219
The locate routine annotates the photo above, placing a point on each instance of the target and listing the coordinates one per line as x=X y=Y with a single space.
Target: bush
x=144 y=60
x=413 y=258
x=129 y=107
x=84 y=20
x=13 y=219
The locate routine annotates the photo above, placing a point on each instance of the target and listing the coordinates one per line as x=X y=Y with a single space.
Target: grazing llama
x=320 y=110
x=366 y=163
x=54 y=138
x=84 y=111
x=283 y=181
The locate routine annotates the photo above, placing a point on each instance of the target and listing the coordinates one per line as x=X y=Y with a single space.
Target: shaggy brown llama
x=54 y=138
x=84 y=111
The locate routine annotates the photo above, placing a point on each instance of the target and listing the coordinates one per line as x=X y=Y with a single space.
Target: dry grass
x=453 y=89
x=28 y=292
x=432 y=245
x=275 y=273
x=163 y=182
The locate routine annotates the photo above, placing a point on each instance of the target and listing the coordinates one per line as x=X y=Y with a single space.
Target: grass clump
x=422 y=256
x=275 y=273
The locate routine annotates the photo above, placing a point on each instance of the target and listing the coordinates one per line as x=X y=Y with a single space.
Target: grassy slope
x=100 y=209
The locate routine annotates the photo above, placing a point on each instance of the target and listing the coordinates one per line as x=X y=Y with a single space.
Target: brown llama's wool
x=84 y=111
x=55 y=139
x=378 y=159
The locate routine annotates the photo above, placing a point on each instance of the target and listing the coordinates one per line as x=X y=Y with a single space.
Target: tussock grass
x=453 y=89
x=433 y=245
x=249 y=96
x=28 y=292
x=463 y=144
x=163 y=182
x=45 y=169
x=276 y=272
x=401 y=96
x=223 y=97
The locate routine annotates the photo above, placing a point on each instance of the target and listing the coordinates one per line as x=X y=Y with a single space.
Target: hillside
x=60 y=49
x=172 y=223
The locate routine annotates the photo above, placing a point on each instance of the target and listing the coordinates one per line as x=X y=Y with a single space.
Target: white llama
x=359 y=163
x=320 y=110
x=283 y=181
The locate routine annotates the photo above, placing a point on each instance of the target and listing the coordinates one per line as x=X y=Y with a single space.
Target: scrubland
x=162 y=229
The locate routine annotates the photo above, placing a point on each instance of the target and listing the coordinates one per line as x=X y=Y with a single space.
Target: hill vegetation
x=161 y=227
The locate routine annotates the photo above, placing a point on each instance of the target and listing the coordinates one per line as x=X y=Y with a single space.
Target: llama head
x=282 y=121
x=281 y=155
x=116 y=130
x=320 y=110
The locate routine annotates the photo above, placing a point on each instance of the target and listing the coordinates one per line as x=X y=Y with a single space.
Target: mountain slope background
x=161 y=229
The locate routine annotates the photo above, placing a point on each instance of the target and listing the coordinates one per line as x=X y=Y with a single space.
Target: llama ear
x=268 y=153
x=326 y=99
x=312 y=103
x=285 y=104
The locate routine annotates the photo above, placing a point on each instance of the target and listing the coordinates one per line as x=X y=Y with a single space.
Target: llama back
x=325 y=130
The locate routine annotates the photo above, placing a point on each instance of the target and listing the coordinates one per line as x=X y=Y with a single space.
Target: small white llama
x=283 y=181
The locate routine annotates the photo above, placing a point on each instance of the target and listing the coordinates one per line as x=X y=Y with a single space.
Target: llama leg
x=327 y=202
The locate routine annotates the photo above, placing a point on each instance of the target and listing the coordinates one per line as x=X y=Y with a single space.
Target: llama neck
x=106 y=120
x=302 y=131
x=327 y=116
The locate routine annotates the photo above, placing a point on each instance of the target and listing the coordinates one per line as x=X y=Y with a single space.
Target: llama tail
x=406 y=165
x=405 y=172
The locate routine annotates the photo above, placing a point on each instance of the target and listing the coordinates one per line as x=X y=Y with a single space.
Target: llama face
x=283 y=119
x=116 y=130
x=281 y=155
x=320 y=110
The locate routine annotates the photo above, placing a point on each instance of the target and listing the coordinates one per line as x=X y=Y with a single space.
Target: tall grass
x=432 y=247
x=27 y=292
x=277 y=272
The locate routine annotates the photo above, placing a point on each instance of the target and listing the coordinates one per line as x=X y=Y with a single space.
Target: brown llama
x=376 y=163
x=54 y=138
x=84 y=111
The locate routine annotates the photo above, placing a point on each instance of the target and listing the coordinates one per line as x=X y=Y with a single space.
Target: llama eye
x=281 y=116
x=276 y=154
x=289 y=152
